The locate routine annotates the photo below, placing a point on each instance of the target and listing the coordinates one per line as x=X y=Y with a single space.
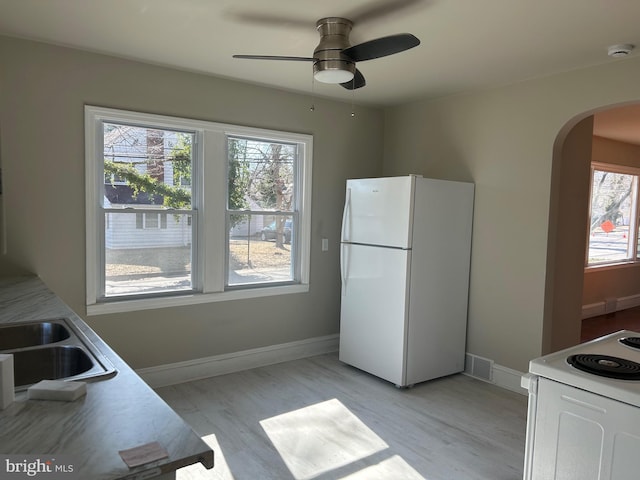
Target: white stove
x=584 y=411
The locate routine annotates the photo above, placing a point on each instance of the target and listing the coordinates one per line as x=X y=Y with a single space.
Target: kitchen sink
x=50 y=363
x=32 y=334
x=52 y=349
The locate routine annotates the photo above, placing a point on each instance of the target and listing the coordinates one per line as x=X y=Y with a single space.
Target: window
x=613 y=219
x=151 y=220
x=182 y=211
x=261 y=210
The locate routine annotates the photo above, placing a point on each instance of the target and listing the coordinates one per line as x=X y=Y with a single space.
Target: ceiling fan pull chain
x=353 y=96
x=313 y=84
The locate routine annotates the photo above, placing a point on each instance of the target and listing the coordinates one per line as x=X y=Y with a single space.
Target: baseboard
x=486 y=370
x=593 y=310
x=181 y=372
x=508 y=378
x=600 y=308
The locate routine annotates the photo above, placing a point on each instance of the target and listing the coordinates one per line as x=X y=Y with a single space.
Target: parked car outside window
x=269 y=232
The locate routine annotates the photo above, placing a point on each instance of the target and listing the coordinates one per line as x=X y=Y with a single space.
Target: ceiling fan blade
x=375 y=10
x=381 y=47
x=275 y=57
x=268 y=19
x=357 y=82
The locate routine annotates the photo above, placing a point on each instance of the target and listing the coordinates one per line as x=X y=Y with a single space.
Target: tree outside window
x=613 y=225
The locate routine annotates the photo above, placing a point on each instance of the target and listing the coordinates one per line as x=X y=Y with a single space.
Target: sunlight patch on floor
x=326 y=436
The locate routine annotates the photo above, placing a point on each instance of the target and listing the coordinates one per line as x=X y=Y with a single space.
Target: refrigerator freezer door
x=373 y=320
x=378 y=211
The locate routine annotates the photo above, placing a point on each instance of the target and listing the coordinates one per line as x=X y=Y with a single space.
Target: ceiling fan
x=334 y=59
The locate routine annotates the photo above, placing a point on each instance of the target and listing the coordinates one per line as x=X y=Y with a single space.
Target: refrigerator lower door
x=373 y=317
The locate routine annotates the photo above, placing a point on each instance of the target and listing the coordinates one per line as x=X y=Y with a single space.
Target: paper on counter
x=147 y=453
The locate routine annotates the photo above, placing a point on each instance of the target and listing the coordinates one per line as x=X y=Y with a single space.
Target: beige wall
x=42 y=93
x=601 y=284
x=509 y=141
x=506 y=140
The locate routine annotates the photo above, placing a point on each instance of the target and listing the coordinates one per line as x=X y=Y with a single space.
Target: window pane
x=145 y=166
x=261 y=175
x=611 y=210
x=260 y=249
x=147 y=260
x=150 y=220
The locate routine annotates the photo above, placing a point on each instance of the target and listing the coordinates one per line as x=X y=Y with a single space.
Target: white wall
x=505 y=140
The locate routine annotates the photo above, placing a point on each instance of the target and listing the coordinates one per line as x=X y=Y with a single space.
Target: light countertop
x=117 y=413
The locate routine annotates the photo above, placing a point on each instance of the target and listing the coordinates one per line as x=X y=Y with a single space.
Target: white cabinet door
x=373 y=319
x=378 y=211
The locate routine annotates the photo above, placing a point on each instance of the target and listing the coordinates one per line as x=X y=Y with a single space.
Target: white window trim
x=213 y=139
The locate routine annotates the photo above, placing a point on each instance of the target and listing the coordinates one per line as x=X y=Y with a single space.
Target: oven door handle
x=530 y=382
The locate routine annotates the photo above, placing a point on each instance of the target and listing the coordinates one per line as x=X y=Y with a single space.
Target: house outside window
x=613 y=218
x=181 y=211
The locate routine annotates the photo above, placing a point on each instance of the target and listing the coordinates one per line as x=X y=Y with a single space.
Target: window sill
x=193 y=299
x=610 y=266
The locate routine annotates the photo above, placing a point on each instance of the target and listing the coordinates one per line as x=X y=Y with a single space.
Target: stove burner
x=606 y=366
x=633 y=342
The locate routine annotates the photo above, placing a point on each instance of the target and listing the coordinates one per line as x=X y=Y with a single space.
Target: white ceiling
x=467 y=45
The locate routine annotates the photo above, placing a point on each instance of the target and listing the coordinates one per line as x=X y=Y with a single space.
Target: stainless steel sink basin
x=50 y=363
x=53 y=349
x=32 y=334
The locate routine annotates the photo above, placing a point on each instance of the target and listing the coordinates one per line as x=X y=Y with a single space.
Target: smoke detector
x=617 y=51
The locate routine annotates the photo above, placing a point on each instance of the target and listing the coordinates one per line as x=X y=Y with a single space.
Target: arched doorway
x=568 y=218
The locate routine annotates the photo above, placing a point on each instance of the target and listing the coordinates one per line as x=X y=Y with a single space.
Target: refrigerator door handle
x=343 y=272
x=347 y=205
x=343 y=261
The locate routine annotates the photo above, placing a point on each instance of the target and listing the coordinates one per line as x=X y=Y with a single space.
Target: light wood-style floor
x=317 y=418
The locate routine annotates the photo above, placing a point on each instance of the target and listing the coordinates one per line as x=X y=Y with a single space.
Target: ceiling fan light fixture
x=333 y=76
x=333 y=71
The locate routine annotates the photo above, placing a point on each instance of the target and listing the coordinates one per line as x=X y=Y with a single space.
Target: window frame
x=634 y=224
x=210 y=169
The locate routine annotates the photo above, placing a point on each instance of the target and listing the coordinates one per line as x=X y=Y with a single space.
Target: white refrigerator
x=404 y=261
